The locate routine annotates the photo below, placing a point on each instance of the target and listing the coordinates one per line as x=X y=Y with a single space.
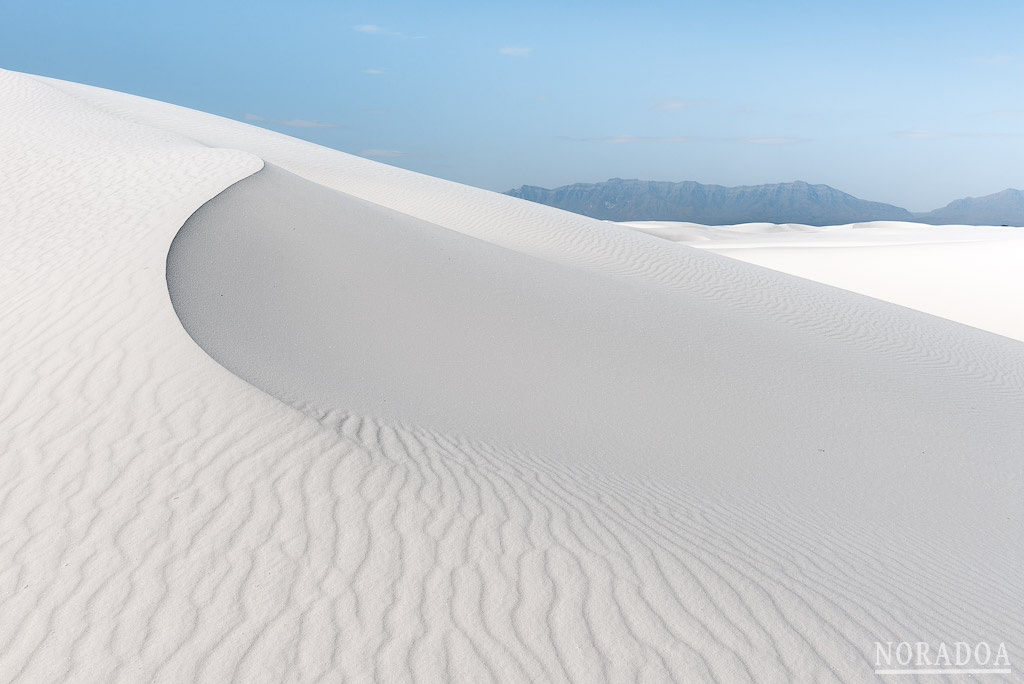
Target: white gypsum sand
x=968 y=274
x=470 y=438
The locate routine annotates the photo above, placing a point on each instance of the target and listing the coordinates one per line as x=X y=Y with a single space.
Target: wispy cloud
x=626 y=139
x=294 y=123
x=924 y=135
x=374 y=72
x=943 y=135
x=515 y=50
x=663 y=104
x=771 y=140
x=396 y=154
x=375 y=30
x=993 y=60
x=1000 y=113
x=384 y=154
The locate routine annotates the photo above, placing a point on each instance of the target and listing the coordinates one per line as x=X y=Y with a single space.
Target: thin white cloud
x=771 y=140
x=374 y=72
x=999 y=113
x=924 y=135
x=515 y=50
x=375 y=30
x=671 y=105
x=626 y=139
x=942 y=135
x=385 y=154
x=305 y=123
x=993 y=60
x=293 y=123
x=396 y=154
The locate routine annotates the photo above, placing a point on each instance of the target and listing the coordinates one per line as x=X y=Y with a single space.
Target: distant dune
x=798 y=202
x=969 y=274
x=272 y=412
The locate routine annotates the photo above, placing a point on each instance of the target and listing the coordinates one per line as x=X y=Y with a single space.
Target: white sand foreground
x=431 y=433
x=968 y=274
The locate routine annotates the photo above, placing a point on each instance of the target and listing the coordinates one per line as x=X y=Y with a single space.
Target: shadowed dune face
x=329 y=302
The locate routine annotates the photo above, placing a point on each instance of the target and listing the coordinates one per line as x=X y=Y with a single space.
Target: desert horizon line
x=759 y=185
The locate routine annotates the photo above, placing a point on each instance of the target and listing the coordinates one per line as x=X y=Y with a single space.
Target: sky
x=911 y=103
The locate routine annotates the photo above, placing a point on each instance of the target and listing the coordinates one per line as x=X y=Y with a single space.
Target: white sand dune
x=968 y=274
x=439 y=434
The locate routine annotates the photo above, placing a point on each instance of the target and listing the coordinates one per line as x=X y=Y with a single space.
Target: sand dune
x=968 y=274
x=431 y=433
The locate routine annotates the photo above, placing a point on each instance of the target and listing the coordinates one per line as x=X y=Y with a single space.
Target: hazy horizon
x=779 y=183
x=915 y=105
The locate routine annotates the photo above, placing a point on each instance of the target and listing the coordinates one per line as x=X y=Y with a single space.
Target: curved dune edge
x=544 y=231
x=327 y=300
x=162 y=520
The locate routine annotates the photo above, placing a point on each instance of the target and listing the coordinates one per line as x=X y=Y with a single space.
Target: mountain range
x=798 y=202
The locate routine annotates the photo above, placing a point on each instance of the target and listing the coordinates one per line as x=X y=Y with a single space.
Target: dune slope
x=449 y=437
x=968 y=274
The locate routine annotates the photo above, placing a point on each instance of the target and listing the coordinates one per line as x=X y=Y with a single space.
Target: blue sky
x=913 y=103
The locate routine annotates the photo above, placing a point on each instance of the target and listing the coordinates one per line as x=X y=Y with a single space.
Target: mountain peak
x=1002 y=208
